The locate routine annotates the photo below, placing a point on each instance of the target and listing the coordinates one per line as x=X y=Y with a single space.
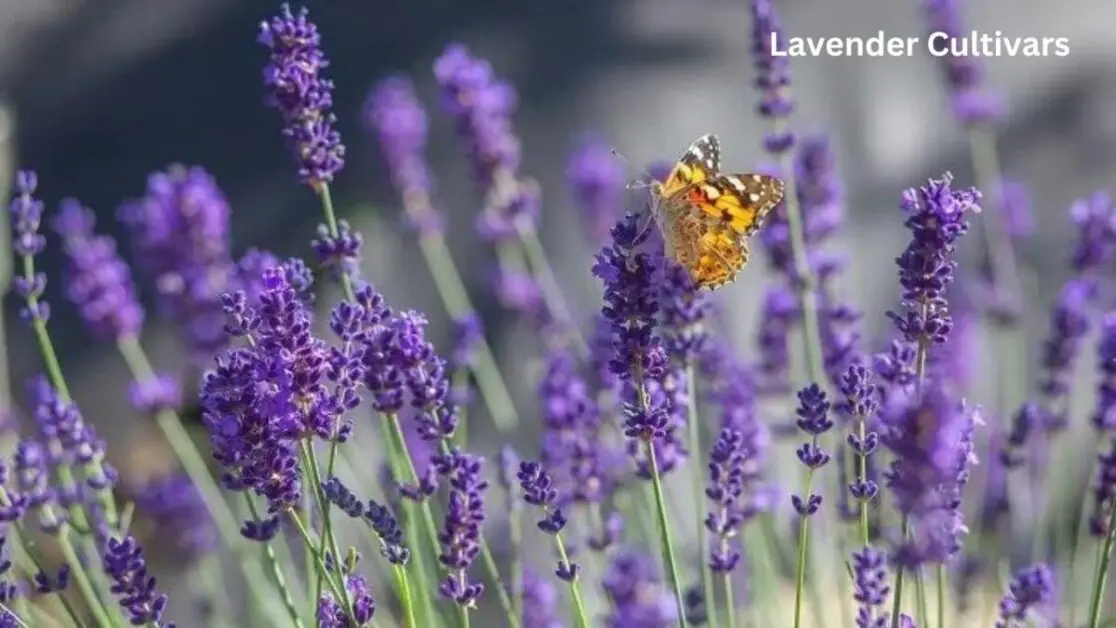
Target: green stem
x=310 y=464
x=941 y=596
x=696 y=475
x=552 y=292
x=404 y=584
x=84 y=585
x=399 y=469
x=664 y=530
x=339 y=590
x=1104 y=559
x=803 y=544
x=451 y=289
x=515 y=544
x=276 y=572
x=582 y=618
x=897 y=598
x=730 y=602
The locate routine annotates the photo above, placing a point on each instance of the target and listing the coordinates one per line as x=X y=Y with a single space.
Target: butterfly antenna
x=640 y=182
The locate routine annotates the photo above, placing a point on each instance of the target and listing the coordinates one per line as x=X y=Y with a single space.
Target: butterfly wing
x=711 y=224
x=701 y=162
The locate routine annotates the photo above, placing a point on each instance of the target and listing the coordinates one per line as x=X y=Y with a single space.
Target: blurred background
x=98 y=94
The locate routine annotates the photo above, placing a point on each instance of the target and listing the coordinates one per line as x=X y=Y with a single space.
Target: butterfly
x=706 y=217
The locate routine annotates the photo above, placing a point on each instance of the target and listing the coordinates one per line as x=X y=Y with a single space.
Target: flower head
x=297 y=89
x=133 y=584
x=26 y=214
x=963 y=73
x=1029 y=594
x=180 y=239
x=772 y=72
x=461 y=530
x=179 y=514
x=99 y=281
x=937 y=217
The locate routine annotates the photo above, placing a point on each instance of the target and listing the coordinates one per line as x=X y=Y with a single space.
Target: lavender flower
x=538 y=490
x=936 y=216
x=870 y=588
x=596 y=178
x=387 y=529
x=813 y=419
x=1030 y=591
x=962 y=72
x=779 y=314
x=133 y=584
x=932 y=443
x=636 y=593
x=468 y=334
x=99 y=282
x=9 y=591
x=1104 y=421
x=394 y=112
x=179 y=515
x=682 y=314
x=180 y=238
x=461 y=531
x=26 y=214
x=860 y=404
x=540 y=602
x=298 y=90
x=159 y=394
x=481 y=107
x=772 y=73
x=630 y=306
x=331 y=614
x=1094 y=250
x=730 y=478
x=573 y=447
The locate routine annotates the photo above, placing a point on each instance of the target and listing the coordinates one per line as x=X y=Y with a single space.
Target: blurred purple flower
x=636 y=593
x=963 y=73
x=394 y=113
x=297 y=89
x=540 y=602
x=1028 y=598
x=179 y=515
x=158 y=394
x=596 y=178
x=180 y=238
x=932 y=443
x=99 y=282
x=481 y=107
x=772 y=73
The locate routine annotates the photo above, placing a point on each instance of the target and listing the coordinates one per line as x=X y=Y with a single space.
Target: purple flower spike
x=683 y=314
x=636 y=593
x=813 y=419
x=870 y=588
x=99 y=283
x=481 y=107
x=963 y=73
x=1104 y=421
x=179 y=513
x=26 y=213
x=540 y=602
x=937 y=217
x=596 y=178
x=1029 y=596
x=732 y=476
x=461 y=531
x=302 y=95
x=133 y=584
x=395 y=114
x=772 y=73
x=180 y=240
x=932 y=443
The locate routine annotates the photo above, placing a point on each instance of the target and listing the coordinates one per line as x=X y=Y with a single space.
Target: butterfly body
x=706 y=217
